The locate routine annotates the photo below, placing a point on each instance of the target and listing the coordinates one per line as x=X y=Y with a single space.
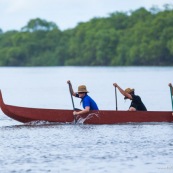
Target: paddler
x=87 y=102
x=136 y=102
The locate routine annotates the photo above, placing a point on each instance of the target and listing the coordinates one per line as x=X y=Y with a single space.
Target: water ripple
x=50 y=147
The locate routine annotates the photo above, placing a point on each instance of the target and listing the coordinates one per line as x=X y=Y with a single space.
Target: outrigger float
x=26 y=114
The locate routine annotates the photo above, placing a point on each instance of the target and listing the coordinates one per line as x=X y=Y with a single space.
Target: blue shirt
x=88 y=101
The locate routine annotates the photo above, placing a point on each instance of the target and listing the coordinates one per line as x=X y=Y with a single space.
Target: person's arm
x=122 y=91
x=170 y=85
x=86 y=110
x=71 y=88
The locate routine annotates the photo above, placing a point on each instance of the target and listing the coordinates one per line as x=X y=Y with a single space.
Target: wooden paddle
x=116 y=98
x=75 y=120
x=171 y=95
x=71 y=97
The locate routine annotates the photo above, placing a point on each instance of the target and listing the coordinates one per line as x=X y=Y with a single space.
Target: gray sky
x=65 y=13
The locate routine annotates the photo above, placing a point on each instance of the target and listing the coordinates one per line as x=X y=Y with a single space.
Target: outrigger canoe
x=25 y=114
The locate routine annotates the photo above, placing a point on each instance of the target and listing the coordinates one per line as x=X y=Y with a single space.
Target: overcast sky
x=65 y=13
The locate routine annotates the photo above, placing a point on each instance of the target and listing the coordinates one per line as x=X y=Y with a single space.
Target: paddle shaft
x=75 y=120
x=171 y=96
x=116 y=98
x=71 y=97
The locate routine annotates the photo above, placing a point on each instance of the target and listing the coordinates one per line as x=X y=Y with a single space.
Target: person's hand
x=68 y=82
x=170 y=85
x=115 y=84
x=75 y=113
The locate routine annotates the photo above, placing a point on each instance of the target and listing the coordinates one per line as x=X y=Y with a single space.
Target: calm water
x=45 y=147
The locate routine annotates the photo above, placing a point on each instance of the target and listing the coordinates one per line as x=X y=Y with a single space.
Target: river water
x=45 y=147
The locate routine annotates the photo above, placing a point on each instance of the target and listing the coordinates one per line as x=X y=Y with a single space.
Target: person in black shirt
x=136 y=104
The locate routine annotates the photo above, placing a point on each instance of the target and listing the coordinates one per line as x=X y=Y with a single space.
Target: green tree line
x=140 y=37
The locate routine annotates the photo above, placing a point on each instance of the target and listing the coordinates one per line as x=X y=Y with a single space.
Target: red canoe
x=24 y=114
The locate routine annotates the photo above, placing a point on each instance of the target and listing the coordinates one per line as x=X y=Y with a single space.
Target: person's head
x=82 y=91
x=129 y=91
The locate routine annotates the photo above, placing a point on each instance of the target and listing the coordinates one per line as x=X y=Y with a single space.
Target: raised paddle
x=116 y=98
x=171 y=95
x=72 y=102
x=71 y=97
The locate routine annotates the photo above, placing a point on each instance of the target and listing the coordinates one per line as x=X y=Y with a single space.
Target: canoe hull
x=23 y=114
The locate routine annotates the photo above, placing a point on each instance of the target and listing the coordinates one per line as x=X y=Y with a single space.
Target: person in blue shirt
x=87 y=102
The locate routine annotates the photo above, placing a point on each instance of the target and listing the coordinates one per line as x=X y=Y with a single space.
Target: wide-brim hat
x=82 y=89
x=129 y=91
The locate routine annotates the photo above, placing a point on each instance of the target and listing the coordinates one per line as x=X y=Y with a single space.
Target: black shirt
x=137 y=103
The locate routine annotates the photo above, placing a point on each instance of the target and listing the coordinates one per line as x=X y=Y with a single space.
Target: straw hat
x=129 y=91
x=82 y=89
